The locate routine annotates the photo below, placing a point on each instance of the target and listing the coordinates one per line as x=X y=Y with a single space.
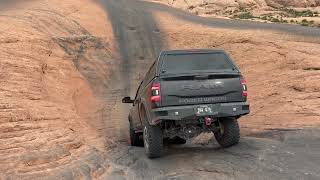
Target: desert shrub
x=244 y=15
x=305 y=22
x=307 y=13
x=276 y=20
x=191 y=7
x=295 y=13
x=228 y=12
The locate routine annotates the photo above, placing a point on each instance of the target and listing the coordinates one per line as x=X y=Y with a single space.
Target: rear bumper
x=189 y=112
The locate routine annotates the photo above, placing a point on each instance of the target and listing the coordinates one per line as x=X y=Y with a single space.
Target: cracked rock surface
x=64 y=68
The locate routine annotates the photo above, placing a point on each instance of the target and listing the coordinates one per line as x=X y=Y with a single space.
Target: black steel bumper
x=190 y=111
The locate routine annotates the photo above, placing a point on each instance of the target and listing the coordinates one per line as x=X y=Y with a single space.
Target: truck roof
x=192 y=51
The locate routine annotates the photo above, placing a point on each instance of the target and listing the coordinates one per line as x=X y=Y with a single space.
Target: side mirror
x=127 y=100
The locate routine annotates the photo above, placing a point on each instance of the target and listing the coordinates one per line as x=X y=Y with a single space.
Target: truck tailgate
x=204 y=89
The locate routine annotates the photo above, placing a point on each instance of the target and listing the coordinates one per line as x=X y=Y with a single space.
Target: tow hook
x=208 y=121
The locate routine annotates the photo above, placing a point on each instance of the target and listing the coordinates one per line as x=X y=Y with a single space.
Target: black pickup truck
x=185 y=93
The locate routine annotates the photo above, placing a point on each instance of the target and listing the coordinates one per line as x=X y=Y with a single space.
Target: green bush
x=295 y=13
x=307 y=13
x=305 y=22
x=244 y=15
x=276 y=20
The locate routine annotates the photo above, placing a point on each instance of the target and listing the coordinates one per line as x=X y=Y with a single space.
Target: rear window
x=173 y=63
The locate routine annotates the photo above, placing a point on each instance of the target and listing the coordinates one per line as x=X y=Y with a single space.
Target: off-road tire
x=135 y=139
x=153 y=140
x=229 y=133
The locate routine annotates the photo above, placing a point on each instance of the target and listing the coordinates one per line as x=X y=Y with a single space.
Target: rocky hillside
x=294 y=3
x=304 y=12
x=242 y=3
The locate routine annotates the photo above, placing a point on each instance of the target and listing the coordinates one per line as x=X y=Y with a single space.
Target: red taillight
x=155 y=92
x=244 y=88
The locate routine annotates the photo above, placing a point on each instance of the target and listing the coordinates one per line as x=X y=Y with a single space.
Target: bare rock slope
x=46 y=122
x=64 y=68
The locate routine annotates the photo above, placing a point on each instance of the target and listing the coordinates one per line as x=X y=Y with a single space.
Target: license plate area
x=203 y=110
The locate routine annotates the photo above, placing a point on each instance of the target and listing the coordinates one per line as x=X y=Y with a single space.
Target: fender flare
x=142 y=106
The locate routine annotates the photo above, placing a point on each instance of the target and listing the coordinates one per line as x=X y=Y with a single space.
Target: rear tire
x=153 y=140
x=135 y=137
x=229 y=133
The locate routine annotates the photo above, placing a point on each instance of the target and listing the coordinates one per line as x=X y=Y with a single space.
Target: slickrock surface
x=46 y=103
x=64 y=67
x=282 y=70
